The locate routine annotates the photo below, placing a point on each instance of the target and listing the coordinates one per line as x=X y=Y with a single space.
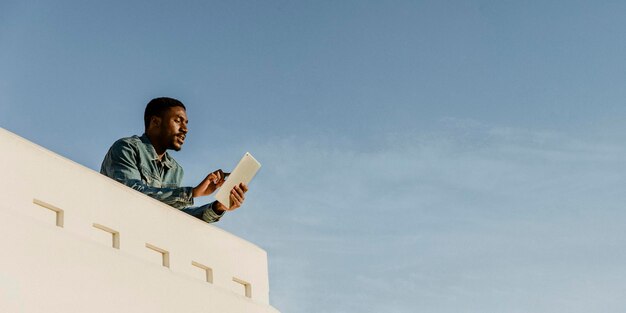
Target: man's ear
x=155 y=121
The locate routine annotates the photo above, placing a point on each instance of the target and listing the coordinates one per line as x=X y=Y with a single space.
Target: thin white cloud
x=472 y=219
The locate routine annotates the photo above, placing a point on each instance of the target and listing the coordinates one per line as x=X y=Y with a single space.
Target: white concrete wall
x=46 y=267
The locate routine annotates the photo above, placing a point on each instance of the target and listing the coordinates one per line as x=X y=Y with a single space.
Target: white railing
x=79 y=206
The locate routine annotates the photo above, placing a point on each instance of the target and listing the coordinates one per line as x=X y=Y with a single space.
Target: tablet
x=243 y=173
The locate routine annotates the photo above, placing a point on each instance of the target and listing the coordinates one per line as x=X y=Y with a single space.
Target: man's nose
x=183 y=128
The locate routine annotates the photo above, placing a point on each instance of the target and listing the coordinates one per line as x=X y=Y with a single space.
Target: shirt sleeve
x=210 y=216
x=204 y=212
x=121 y=164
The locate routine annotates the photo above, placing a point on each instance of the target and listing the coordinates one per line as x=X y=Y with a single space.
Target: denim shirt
x=133 y=162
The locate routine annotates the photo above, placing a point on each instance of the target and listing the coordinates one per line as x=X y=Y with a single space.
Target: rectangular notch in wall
x=58 y=212
x=115 y=235
x=165 y=255
x=207 y=270
x=247 y=288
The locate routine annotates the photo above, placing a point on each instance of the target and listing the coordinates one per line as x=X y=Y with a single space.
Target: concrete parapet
x=76 y=241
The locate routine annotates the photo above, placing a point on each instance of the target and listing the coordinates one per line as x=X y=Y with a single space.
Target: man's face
x=173 y=128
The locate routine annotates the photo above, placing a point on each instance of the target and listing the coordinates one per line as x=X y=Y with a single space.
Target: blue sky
x=418 y=156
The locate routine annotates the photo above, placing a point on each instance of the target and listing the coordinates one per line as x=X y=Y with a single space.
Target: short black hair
x=157 y=106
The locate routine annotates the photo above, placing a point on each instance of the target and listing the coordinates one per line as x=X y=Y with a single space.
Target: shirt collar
x=167 y=160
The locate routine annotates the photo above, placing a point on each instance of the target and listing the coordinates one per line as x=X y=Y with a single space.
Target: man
x=142 y=163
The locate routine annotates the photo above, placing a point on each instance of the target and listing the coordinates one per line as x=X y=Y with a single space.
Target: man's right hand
x=209 y=184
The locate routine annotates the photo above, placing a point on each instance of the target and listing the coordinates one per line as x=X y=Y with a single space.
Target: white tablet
x=243 y=173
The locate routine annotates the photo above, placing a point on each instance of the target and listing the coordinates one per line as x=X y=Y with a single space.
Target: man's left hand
x=237 y=196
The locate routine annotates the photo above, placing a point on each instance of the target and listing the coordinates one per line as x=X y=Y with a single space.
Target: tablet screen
x=243 y=173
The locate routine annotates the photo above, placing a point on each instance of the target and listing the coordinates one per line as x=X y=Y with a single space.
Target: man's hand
x=209 y=184
x=237 y=195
